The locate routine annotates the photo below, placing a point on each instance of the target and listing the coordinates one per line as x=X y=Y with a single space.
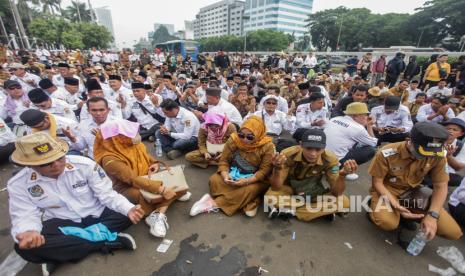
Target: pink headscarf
x=124 y=127
x=215 y=136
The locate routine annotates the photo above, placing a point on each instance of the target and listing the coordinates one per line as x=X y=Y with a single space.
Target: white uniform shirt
x=460 y=157
x=6 y=135
x=20 y=108
x=435 y=90
x=72 y=99
x=426 y=110
x=85 y=138
x=276 y=122
x=60 y=108
x=96 y=56
x=82 y=190
x=146 y=120
x=167 y=94
x=282 y=104
x=342 y=133
x=229 y=109
x=115 y=111
x=305 y=116
x=184 y=126
x=412 y=94
x=43 y=54
x=399 y=119
x=24 y=81
x=60 y=94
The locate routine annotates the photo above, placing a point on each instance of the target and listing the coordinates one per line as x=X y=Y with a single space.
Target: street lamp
x=245 y=18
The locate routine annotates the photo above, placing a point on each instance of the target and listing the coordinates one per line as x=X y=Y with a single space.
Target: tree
x=162 y=35
x=51 y=6
x=78 y=12
x=94 y=35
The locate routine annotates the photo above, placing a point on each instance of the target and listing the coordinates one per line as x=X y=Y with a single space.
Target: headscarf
x=10 y=104
x=215 y=136
x=123 y=148
x=258 y=128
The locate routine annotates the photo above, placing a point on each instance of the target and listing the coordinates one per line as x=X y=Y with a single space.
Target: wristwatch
x=433 y=214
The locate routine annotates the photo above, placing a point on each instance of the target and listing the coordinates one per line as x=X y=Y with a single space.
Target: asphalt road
x=214 y=244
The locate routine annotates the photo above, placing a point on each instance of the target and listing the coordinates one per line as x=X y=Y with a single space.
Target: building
x=103 y=17
x=281 y=15
x=189 y=29
x=221 y=18
x=169 y=27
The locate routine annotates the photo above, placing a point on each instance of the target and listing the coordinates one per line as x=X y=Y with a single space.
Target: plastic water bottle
x=158 y=150
x=417 y=244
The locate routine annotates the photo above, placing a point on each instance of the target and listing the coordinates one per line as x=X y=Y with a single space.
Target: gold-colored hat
x=38 y=149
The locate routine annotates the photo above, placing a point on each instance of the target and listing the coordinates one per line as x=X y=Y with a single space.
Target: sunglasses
x=249 y=137
x=50 y=163
x=272 y=103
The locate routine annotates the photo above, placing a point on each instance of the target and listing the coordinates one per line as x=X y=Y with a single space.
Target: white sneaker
x=251 y=213
x=185 y=197
x=204 y=205
x=158 y=224
x=352 y=176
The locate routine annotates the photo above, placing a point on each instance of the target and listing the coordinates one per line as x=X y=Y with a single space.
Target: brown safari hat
x=38 y=149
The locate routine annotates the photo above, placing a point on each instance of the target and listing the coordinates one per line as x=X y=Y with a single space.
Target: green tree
x=162 y=35
x=50 y=6
x=78 y=12
x=94 y=35
x=267 y=40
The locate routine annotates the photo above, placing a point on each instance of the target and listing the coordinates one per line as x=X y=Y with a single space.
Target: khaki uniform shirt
x=296 y=167
x=401 y=171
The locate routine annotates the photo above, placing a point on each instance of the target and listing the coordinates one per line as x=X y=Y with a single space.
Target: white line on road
x=12 y=264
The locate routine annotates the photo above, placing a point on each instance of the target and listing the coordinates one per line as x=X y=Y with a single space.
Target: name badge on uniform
x=389 y=152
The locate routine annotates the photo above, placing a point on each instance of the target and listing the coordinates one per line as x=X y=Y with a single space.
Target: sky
x=135 y=18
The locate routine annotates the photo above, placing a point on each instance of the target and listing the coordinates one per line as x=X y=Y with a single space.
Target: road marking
x=12 y=264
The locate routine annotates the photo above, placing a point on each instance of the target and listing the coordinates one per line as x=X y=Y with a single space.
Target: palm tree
x=78 y=12
x=50 y=6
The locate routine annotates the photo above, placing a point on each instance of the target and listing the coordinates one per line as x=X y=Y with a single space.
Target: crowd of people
x=276 y=128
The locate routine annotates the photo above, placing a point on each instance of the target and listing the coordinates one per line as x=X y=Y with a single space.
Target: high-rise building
x=221 y=18
x=189 y=29
x=169 y=27
x=103 y=16
x=281 y=15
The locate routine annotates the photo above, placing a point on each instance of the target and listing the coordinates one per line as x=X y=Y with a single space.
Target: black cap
x=32 y=117
x=167 y=76
x=71 y=81
x=37 y=95
x=230 y=78
x=147 y=86
x=137 y=85
x=11 y=83
x=213 y=91
x=63 y=64
x=143 y=74
x=213 y=77
x=392 y=102
x=303 y=85
x=93 y=85
x=114 y=77
x=314 y=138
x=204 y=79
x=428 y=139
x=45 y=83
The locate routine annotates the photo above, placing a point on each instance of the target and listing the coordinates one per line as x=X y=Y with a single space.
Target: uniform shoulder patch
x=100 y=171
x=69 y=166
x=389 y=152
x=187 y=123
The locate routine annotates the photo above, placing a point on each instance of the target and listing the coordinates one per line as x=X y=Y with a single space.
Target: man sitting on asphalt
x=54 y=192
x=299 y=170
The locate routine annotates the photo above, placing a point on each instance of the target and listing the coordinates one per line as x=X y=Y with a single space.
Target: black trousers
x=361 y=155
x=391 y=80
x=59 y=248
x=391 y=137
x=6 y=151
x=458 y=213
x=146 y=133
x=454 y=180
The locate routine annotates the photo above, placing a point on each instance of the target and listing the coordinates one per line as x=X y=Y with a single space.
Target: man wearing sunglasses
x=54 y=192
x=438 y=111
x=15 y=103
x=299 y=170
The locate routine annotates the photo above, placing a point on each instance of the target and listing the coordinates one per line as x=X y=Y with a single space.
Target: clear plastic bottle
x=417 y=244
x=158 y=150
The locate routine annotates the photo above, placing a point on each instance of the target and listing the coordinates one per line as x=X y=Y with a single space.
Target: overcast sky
x=133 y=19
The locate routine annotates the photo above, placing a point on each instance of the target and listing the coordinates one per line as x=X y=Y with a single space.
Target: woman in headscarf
x=15 y=103
x=240 y=181
x=118 y=149
x=213 y=134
